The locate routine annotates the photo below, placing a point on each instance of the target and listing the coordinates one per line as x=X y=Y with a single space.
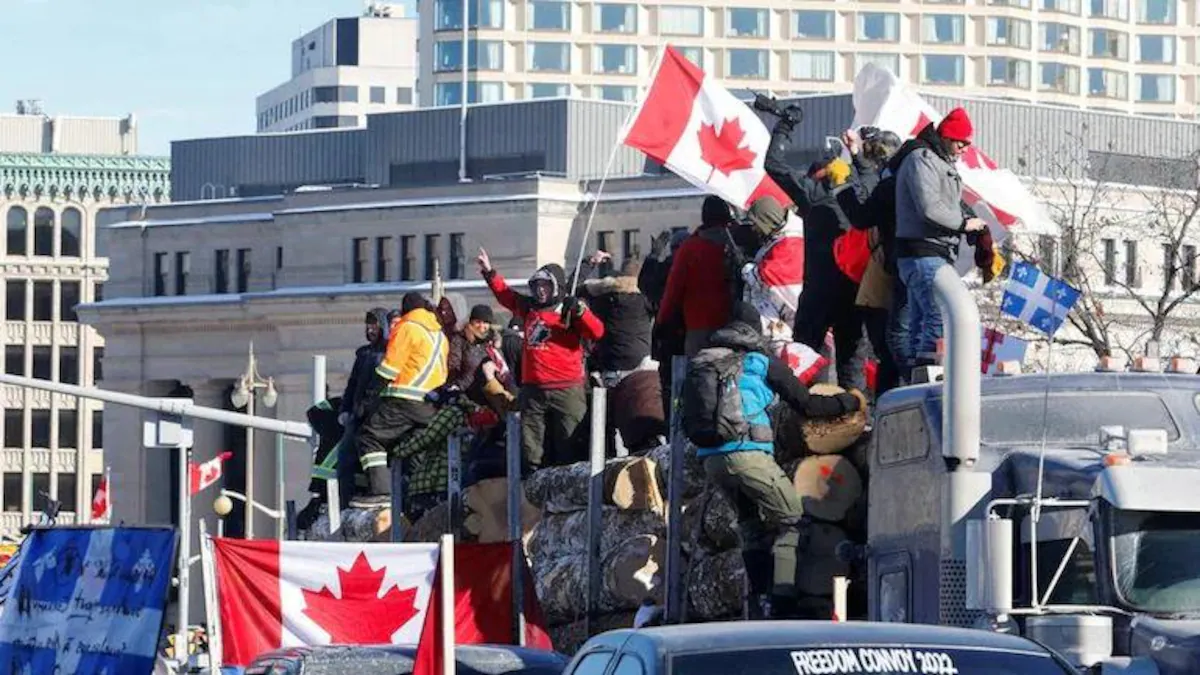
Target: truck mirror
x=989 y=565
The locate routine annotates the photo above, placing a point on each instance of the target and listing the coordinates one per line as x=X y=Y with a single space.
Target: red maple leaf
x=721 y=150
x=360 y=615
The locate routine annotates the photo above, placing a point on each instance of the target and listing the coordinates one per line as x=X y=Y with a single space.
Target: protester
x=413 y=366
x=652 y=279
x=627 y=317
x=552 y=391
x=512 y=343
x=731 y=429
x=323 y=418
x=930 y=222
x=468 y=348
x=827 y=301
x=699 y=286
x=377 y=326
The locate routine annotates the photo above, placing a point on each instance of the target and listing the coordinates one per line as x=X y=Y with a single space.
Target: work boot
x=379 y=490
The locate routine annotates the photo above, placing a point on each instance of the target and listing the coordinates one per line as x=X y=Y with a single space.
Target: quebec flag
x=87 y=600
x=1038 y=299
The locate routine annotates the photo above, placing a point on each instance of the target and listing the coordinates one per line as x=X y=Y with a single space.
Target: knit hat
x=956 y=126
x=715 y=211
x=482 y=313
x=412 y=300
x=745 y=312
x=767 y=214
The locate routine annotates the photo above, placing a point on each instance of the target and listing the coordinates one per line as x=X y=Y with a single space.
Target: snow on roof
x=260 y=217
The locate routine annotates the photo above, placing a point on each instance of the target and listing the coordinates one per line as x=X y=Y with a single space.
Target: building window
x=68 y=365
x=549 y=57
x=334 y=121
x=183 y=268
x=1156 y=49
x=889 y=62
x=14 y=489
x=615 y=59
x=66 y=491
x=1006 y=72
x=547 y=90
x=43 y=362
x=40 y=428
x=812 y=24
x=358 y=266
x=1132 y=278
x=243 y=270
x=614 y=93
x=68 y=298
x=1156 y=88
x=614 y=18
x=14 y=429
x=942 y=29
x=70 y=233
x=1160 y=12
x=14 y=300
x=747 y=22
x=747 y=64
x=812 y=66
x=630 y=250
x=404 y=95
x=278 y=258
x=1104 y=83
x=383 y=258
x=378 y=95
x=878 y=27
x=97 y=363
x=674 y=20
x=43 y=231
x=1060 y=77
x=549 y=15
x=68 y=435
x=1002 y=32
x=458 y=257
x=337 y=94
x=14 y=360
x=1061 y=6
x=98 y=292
x=160 y=274
x=450 y=93
x=604 y=242
x=1187 y=270
x=432 y=255
x=97 y=431
x=481 y=55
x=1047 y=252
x=1168 y=260
x=1109 y=9
x=942 y=69
x=17 y=231
x=43 y=301
x=1109 y=44
x=41 y=483
x=1110 y=262
x=221 y=271
x=483 y=14
x=408 y=258
x=1060 y=38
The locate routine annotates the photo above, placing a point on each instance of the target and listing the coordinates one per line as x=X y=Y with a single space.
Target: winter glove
x=572 y=308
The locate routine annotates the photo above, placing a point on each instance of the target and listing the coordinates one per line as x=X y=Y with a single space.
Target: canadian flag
x=275 y=594
x=204 y=474
x=696 y=128
x=100 y=504
x=775 y=278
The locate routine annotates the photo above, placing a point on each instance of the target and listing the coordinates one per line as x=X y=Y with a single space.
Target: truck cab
x=1076 y=522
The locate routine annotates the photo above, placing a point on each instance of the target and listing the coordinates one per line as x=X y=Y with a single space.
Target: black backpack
x=712 y=400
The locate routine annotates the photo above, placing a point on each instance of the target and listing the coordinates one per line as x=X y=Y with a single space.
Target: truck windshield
x=1157 y=560
x=1073 y=418
x=875 y=659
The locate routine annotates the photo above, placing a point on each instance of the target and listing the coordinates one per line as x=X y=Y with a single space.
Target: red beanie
x=956 y=126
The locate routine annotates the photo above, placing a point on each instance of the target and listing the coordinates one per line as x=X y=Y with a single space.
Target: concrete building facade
x=345 y=70
x=1123 y=55
x=56 y=173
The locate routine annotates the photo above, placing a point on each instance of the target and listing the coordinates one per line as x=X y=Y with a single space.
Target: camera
x=792 y=114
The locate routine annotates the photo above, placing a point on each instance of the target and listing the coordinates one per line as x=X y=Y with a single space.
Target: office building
x=55 y=174
x=345 y=70
x=1120 y=55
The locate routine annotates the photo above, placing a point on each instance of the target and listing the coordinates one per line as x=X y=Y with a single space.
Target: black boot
x=309 y=514
x=379 y=490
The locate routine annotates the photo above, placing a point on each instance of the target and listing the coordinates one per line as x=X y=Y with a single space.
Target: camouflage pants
x=770 y=517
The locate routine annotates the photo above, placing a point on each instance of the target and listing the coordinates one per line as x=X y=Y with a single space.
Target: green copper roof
x=94 y=176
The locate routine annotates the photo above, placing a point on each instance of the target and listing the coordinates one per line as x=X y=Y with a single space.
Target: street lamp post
x=244 y=395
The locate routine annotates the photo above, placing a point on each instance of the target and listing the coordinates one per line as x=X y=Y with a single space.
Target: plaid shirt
x=424 y=451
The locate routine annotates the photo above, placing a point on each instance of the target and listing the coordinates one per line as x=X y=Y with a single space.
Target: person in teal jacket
x=769 y=512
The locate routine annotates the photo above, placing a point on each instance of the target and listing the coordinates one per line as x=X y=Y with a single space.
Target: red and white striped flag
x=204 y=474
x=697 y=129
x=100 y=503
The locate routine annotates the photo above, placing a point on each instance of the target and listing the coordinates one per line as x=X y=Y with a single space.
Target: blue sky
x=186 y=68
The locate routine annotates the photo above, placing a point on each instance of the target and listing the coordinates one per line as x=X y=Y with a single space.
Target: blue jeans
x=925 y=319
x=897 y=336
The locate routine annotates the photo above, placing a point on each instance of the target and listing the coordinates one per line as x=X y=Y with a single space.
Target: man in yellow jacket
x=413 y=365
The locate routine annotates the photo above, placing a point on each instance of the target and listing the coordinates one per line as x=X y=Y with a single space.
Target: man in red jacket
x=552 y=373
x=698 y=288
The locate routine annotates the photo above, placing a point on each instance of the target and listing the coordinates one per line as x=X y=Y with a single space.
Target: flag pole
x=446 y=563
x=108 y=505
x=185 y=550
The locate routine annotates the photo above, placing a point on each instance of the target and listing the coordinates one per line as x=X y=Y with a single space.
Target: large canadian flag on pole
x=275 y=594
x=697 y=129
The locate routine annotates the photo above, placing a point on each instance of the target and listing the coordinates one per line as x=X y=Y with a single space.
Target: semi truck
x=1064 y=508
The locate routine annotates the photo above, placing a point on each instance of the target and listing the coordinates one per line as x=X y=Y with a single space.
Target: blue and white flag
x=1038 y=299
x=88 y=601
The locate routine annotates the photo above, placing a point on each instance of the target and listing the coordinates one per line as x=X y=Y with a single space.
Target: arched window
x=43 y=231
x=18 y=226
x=70 y=233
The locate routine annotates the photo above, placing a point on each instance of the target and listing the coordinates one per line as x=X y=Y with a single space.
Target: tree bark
x=630 y=572
x=566 y=533
x=629 y=483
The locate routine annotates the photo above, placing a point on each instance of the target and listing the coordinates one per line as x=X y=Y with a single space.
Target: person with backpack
x=730 y=386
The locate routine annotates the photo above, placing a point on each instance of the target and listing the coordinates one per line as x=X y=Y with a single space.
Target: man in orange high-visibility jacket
x=413 y=366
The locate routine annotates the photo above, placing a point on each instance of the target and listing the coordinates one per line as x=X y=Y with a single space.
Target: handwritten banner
x=87 y=600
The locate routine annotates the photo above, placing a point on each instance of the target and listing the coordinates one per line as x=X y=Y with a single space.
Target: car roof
x=480 y=658
x=789 y=634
